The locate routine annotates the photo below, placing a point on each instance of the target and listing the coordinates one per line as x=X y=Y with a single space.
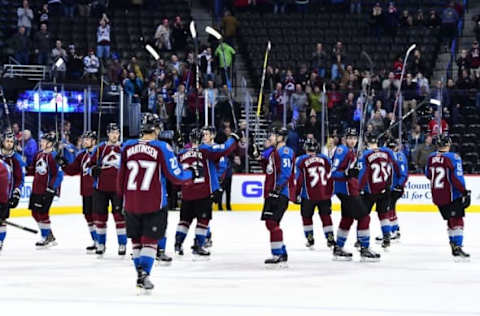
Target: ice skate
x=178 y=249
x=46 y=242
x=208 y=242
x=395 y=236
x=367 y=255
x=386 y=242
x=200 y=253
x=330 y=240
x=100 y=250
x=310 y=242
x=1 y=247
x=458 y=254
x=144 y=285
x=341 y=255
x=162 y=258
x=122 y=250
x=91 y=249
x=277 y=261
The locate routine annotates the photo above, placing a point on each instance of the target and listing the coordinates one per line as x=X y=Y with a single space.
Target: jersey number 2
x=438 y=174
x=134 y=166
x=380 y=172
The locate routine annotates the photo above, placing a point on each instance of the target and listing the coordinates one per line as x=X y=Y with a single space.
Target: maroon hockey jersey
x=376 y=173
x=17 y=170
x=5 y=182
x=312 y=174
x=109 y=160
x=46 y=173
x=80 y=166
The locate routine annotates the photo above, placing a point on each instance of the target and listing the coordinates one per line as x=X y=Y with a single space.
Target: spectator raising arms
x=103 y=38
x=25 y=17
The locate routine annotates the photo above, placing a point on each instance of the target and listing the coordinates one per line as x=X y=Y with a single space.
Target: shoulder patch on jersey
x=457 y=156
x=286 y=150
x=169 y=148
x=339 y=150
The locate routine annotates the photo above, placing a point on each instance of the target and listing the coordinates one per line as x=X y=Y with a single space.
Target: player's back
x=5 y=182
x=376 y=171
x=317 y=183
x=142 y=181
x=202 y=187
x=446 y=177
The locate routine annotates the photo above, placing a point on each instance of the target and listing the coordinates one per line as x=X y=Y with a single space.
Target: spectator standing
x=474 y=57
x=463 y=62
x=299 y=103
x=75 y=67
x=225 y=54
x=21 y=46
x=30 y=147
x=418 y=63
x=180 y=98
x=211 y=93
x=103 y=38
x=25 y=17
x=150 y=95
x=43 y=14
x=449 y=22
x=179 y=35
x=434 y=128
x=277 y=101
x=319 y=60
x=43 y=45
x=376 y=19
x=410 y=96
x=134 y=67
x=133 y=87
x=391 y=20
x=421 y=154
x=433 y=20
x=91 y=65
x=338 y=59
x=162 y=36
x=377 y=122
x=83 y=7
x=229 y=27
x=415 y=137
x=57 y=53
x=207 y=65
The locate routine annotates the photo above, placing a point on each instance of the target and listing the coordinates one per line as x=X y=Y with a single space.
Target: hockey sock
x=307 y=226
x=327 y=224
x=182 y=231
x=121 y=230
x=201 y=231
x=385 y=223
x=276 y=237
x=44 y=224
x=455 y=225
x=209 y=233
x=162 y=243
x=147 y=253
x=343 y=229
x=91 y=227
x=100 y=221
x=136 y=247
x=3 y=232
x=363 y=231
x=394 y=221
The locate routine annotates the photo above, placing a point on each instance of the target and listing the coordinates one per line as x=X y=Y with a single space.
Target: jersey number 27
x=134 y=167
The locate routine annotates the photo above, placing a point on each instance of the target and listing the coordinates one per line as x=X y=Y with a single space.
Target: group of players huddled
x=133 y=177
x=360 y=179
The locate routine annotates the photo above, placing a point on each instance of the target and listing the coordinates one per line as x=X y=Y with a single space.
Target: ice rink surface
x=416 y=277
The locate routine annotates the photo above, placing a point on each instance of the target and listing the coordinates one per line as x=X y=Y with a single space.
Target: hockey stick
x=404 y=117
x=193 y=32
x=5 y=107
x=99 y=123
x=27 y=229
x=219 y=37
x=262 y=84
x=410 y=49
x=324 y=90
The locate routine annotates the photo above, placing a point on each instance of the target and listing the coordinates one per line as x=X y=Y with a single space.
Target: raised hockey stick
x=262 y=84
x=364 y=104
x=399 y=91
x=219 y=37
x=324 y=95
x=5 y=107
x=27 y=229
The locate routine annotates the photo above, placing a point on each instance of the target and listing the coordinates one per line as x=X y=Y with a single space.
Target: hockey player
x=449 y=194
x=377 y=165
x=104 y=164
x=344 y=174
x=146 y=164
x=278 y=167
x=314 y=187
x=197 y=197
x=46 y=185
x=17 y=167
x=80 y=166
x=398 y=186
x=6 y=186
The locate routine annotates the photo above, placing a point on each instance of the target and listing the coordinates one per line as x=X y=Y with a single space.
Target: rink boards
x=247 y=195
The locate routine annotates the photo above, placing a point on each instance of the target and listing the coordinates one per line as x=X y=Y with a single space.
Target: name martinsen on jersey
x=144 y=149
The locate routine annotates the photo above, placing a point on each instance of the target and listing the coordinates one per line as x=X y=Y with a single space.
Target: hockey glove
x=352 y=172
x=50 y=192
x=61 y=161
x=466 y=198
x=13 y=202
x=253 y=151
x=275 y=193
x=237 y=135
x=96 y=171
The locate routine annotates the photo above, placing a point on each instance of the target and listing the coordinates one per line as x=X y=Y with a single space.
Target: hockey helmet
x=7 y=134
x=311 y=145
x=148 y=123
x=282 y=131
x=371 y=138
x=196 y=136
x=350 y=131
x=49 y=137
x=391 y=143
x=443 y=141
x=90 y=134
x=112 y=127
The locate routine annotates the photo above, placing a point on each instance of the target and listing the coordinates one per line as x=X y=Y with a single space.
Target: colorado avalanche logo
x=41 y=167
x=111 y=160
x=270 y=166
x=85 y=166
